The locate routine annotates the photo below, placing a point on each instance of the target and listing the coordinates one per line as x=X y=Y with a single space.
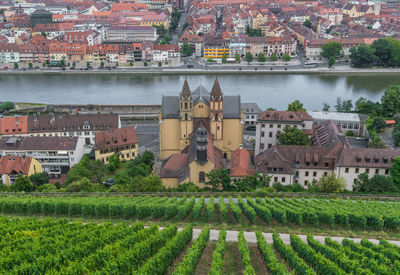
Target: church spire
x=216 y=93
x=186 y=93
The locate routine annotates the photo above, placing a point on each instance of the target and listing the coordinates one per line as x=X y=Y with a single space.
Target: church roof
x=186 y=90
x=231 y=103
x=216 y=93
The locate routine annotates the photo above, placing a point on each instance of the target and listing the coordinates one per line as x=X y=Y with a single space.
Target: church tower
x=186 y=114
x=216 y=111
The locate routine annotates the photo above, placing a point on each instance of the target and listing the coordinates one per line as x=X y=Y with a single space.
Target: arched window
x=202 y=177
x=186 y=105
x=216 y=117
x=186 y=117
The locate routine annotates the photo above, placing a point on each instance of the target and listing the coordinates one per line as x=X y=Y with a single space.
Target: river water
x=268 y=90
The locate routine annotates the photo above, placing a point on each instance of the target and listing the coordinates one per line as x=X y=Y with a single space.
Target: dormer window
x=291 y=116
x=385 y=161
x=368 y=160
x=376 y=160
x=124 y=139
x=358 y=159
x=307 y=163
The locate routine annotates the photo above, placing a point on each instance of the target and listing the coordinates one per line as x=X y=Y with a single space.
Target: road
x=182 y=20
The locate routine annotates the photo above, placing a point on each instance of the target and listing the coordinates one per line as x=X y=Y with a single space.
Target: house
x=198 y=130
x=121 y=142
x=271 y=123
x=251 y=112
x=194 y=40
x=241 y=164
x=13 y=166
x=168 y=53
x=56 y=154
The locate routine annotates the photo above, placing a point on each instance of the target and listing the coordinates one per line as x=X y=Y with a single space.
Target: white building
x=271 y=123
x=251 y=112
x=346 y=121
x=56 y=154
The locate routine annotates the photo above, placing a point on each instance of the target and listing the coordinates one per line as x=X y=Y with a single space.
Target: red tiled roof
x=13 y=125
x=284 y=116
x=19 y=165
x=115 y=137
x=240 y=163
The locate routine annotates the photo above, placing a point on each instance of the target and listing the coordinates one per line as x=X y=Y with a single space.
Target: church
x=199 y=132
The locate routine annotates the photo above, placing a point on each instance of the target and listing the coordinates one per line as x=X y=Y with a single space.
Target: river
x=268 y=90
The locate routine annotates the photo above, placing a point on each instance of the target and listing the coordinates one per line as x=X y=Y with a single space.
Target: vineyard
x=364 y=215
x=56 y=246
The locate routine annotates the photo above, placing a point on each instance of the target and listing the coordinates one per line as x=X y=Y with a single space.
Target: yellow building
x=216 y=48
x=199 y=131
x=122 y=142
x=13 y=166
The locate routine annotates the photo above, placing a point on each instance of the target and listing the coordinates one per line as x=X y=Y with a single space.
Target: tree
x=151 y=183
x=6 y=106
x=113 y=163
x=296 y=106
x=377 y=184
x=30 y=65
x=249 y=58
x=116 y=64
x=237 y=57
x=343 y=105
x=383 y=51
x=44 y=64
x=159 y=64
x=261 y=58
x=200 y=34
x=145 y=64
x=224 y=57
x=81 y=185
x=186 y=49
x=73 y=64
x=87 y=64
x=325 y=107
x=286 y=57
x=102 y=64
x=391 y=101
x=219 y=179
x=363 y=56
x=16 y=65
x=331 y=183
x=293 y=136
x=273 y=57
x=210 y=60
x=376 y=143
x=331 y=49
x=147 y=158
x=253 y=182
x=331 y=61
x=379 y=124
x=44 y=34
x=76 y=173
x=395 y=171
x=22 y=184
x=364 y=106
x=39 y=179
x=307 y=23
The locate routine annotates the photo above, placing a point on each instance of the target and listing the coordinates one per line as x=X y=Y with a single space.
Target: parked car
x=190 y=66
x=5 y=67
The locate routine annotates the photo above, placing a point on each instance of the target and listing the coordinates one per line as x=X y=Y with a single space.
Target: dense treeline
x=382 y=52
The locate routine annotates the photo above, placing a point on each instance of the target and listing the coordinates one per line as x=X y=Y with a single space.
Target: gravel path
x=232 y=236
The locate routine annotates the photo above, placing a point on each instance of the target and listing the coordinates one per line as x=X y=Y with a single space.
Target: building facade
x=271 y=123
x=121 y=142
x=56 y=154
x=13 y=166
x=194 y=122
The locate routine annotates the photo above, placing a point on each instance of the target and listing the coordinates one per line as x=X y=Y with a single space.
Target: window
x=283 y=179
x=270 y=134
x=314 y=174
x=269 y=145
x=357 y=170
x=376 y=160
x=263 y=125
x=202 y=177
x=306 y=182
x=271 y=126
x=367 y=170
x=377 y=171
x=350 y=126
x=279 y=126
x=387 y=172
x=368 y=160
x=262 y=134
x=307 y=163
x=262 y=146
x=326 y=164
x=385 y=161
x=306 y=173
x=276 y=179
x=325 y=173
x=346 y=170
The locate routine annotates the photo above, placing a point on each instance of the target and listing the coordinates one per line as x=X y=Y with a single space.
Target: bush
x=350 y=133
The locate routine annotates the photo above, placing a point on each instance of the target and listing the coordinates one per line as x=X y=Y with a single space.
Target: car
x=5 y=67
x=251 y=128
x=190 y=66
x=36 y=68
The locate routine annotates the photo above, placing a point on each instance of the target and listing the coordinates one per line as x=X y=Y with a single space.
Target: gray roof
x=231 y=106
x=250 y=108
x=38 y=143
x=170 y=104
x=170 y=107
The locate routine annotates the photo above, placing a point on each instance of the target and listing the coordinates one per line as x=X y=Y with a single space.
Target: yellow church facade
x=199 y=131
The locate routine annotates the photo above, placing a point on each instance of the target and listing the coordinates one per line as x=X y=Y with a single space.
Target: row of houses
x=58 y=142
x=56 y=51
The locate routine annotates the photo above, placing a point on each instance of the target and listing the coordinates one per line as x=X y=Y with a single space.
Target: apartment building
x=345 y=121
x=271 y=123
x=251 y=112
x=56 y=154
x=130 y=34
x=121 y=142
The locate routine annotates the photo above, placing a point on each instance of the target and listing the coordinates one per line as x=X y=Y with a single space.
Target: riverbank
x=184 y=71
